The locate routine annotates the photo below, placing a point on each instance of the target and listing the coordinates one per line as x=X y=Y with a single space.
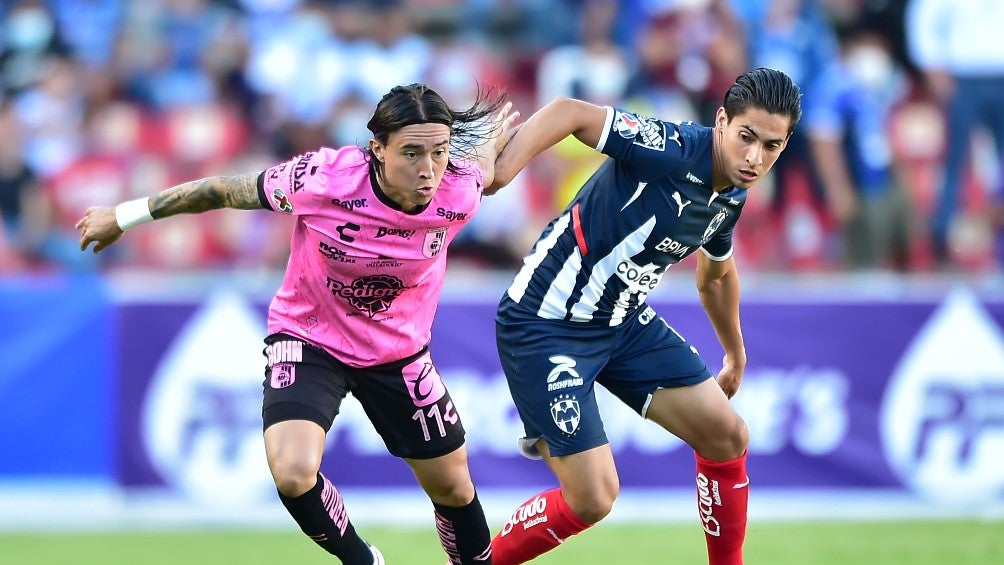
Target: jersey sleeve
x=649 y=148
x=719 y=247
x=294 y=187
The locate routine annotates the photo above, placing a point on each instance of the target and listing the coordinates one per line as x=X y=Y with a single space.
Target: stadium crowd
x=106 y=100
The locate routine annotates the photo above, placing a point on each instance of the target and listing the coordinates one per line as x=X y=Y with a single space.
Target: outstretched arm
x=557 y=120
x=718 y=286
x=103 y=226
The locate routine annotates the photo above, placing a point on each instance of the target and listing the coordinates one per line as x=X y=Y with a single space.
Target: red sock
x=722 y=499
x=536 y=527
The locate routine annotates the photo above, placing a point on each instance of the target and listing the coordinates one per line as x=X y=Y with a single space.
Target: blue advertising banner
x=56 y=379
x=903 y=397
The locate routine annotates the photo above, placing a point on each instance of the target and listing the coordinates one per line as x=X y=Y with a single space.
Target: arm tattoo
x=210 y=193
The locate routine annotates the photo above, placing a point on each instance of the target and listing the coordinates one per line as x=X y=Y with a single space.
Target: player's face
x=414 y=160
x=749 y=145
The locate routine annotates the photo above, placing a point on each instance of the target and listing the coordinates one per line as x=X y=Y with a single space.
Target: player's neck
x=719 y=180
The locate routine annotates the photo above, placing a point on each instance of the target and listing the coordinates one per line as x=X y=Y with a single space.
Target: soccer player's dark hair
x=766 y=89
x=419 y=104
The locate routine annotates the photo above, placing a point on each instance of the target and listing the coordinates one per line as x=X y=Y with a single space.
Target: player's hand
x=502 y=126
x=98 y=226
x=731 y=375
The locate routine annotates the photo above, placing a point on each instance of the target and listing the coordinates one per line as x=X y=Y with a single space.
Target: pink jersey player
x=355 y=309
x=366 y=279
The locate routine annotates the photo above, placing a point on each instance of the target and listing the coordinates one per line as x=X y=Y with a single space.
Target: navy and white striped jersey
x=645 y=209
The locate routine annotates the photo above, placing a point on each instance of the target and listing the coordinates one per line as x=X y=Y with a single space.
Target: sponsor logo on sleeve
x=649 y=133
x=300 y=171
x=281 y=202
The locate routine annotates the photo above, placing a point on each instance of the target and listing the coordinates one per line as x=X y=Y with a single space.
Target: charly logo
x=943 y=414
x=371 y=294
x=565 y=413
x=423 y=381
x=201 y=417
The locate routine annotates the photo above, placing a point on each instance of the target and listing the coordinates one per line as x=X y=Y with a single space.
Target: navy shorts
x=552 y=367
x=406 y=400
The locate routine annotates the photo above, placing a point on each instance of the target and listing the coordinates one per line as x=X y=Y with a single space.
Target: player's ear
x=376 y=149
x=721 y=118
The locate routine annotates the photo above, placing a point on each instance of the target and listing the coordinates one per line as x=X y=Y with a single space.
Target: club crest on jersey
x=435 y=240
x=566 y=413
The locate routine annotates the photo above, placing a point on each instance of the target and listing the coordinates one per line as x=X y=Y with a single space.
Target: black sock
x=321 y=514
x=464 y=533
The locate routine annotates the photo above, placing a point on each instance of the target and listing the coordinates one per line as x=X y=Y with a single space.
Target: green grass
x=956 y=542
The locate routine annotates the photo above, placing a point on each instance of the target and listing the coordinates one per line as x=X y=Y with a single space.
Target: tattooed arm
x=103 y=226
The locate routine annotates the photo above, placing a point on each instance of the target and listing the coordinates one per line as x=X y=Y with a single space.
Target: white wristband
x=133 y=213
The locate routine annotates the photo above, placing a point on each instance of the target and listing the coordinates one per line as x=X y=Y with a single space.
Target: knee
x=593 y=504
x=453 y=494
x=730 y=443
x=292 y=476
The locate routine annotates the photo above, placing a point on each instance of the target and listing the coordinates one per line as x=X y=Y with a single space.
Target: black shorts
x=406 y=401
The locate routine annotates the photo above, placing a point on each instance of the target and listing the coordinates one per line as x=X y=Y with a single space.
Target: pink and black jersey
x=364 y=277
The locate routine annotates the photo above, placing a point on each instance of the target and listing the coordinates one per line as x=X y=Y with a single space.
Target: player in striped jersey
x=575 y=315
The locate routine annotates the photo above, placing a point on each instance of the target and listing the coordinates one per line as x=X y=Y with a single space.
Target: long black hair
x=418 y=104
x=766 y=89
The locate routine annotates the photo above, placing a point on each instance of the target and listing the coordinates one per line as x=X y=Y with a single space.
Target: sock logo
x=448 y=538
x=707 y=498
x=529 y=514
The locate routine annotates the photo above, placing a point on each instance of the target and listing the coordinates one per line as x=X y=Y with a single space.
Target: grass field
x=956 y=542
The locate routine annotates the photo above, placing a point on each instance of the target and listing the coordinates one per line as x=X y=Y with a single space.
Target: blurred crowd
x=896 y=164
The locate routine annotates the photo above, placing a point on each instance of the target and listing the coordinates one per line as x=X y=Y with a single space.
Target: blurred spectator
x=169 y=89
x=90 y=28
x=392 y=53
x=957 y=46
x=169 y=47
x=594 y=68
x=301 y=69
x=18 y=196
x=29 y=41
x=847 y=121
x=52 y=112
x=793 y=36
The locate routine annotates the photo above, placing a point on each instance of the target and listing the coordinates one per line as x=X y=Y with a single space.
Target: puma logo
x=680 y=204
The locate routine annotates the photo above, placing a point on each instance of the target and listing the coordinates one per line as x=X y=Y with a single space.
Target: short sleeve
x=294 y=186
x=649 y=148
x=719 y=247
